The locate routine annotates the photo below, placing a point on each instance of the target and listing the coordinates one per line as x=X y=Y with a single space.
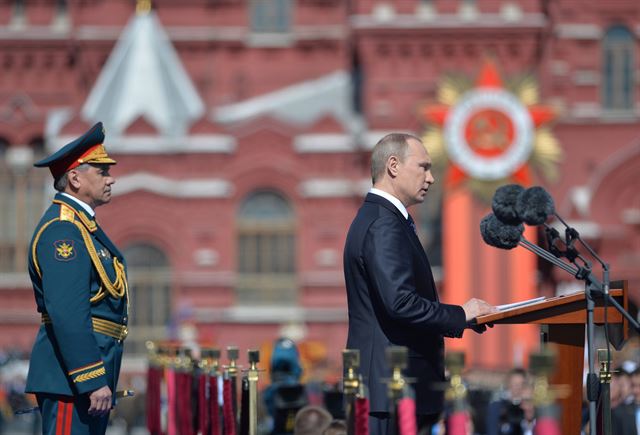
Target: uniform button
x=124 y=319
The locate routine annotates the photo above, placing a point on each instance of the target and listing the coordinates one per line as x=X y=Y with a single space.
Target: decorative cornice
x=578 y=31
x=189 y=188
x=25 y=316
x=194 y=278
x=152 y=144
x=275 y=314
x=322 y=278
x=238 y=34
x=586 y=77
x=12 y=281
x=324 y=143
x=448 y=21
x=333 y=188
x=34 y=33
x=587 y=229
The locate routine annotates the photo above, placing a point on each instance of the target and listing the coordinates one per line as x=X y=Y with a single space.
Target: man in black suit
x=625 y=416
x=391 y=293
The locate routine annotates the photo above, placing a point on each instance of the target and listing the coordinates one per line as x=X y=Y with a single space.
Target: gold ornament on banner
x=490 y=132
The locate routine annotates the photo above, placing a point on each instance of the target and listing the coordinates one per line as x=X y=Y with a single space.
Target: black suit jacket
x=393 y=301
x=623 y=420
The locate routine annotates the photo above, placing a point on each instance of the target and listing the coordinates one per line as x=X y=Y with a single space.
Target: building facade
x=242 y=130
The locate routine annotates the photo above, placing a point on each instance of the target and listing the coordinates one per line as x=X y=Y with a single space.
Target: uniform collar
x=392 y=199
x=86 y=207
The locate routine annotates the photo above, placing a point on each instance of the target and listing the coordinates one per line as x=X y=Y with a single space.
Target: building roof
x=301 y=103
x=144 y=77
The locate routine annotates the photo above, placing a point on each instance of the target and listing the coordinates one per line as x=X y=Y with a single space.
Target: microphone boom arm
x=547 y=256
x=581 y=273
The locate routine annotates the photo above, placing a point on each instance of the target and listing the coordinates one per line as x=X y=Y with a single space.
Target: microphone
x=498 y=234
x=504 y=203
x=505 y=236
x=534 y=206
x=553 y=236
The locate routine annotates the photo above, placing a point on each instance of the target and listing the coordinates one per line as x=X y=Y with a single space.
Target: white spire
x=144 y=77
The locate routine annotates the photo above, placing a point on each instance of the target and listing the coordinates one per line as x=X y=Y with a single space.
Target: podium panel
x=566 y=317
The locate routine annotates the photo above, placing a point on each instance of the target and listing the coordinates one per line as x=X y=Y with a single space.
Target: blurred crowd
x=291 y=406
x=13 y=374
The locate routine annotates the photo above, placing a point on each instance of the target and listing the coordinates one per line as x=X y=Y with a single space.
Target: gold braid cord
x=90 y=375
x=35 y=244
x=117 y=288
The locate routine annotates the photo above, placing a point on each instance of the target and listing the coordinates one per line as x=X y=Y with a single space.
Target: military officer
x=80 y=285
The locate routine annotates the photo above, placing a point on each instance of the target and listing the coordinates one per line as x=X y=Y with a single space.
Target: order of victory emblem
x=489 y=132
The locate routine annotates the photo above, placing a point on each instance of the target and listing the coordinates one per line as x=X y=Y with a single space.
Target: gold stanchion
x=252 y=377
x=456 y=393
x=542 y=366
x=231 y=375
x=605 y=390
x=398 y=384
x=352 y=385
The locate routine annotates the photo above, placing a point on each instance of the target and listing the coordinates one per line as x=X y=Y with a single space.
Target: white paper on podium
x=519 y=304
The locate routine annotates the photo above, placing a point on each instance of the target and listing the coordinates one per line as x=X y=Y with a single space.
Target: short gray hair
x=60 y=183
x=393 y=144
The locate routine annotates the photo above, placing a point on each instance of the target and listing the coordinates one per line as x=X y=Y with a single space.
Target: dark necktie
x=412 y=224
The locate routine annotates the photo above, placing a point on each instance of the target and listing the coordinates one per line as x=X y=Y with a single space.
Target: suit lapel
x=377 y=199
x=417 y=246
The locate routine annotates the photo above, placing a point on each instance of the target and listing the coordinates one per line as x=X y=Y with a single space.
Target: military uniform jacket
x=79 y=281
x=392 y=301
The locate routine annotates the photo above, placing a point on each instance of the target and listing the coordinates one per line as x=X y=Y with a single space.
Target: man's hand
x=100 y=402
x=477 y=307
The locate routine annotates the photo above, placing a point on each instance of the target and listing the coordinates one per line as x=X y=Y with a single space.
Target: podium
x=564 y=319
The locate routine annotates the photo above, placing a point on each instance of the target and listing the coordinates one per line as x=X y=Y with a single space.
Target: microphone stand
x=593 y=287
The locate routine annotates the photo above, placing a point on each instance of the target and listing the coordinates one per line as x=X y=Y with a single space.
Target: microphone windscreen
x=534 y=206
x=498 y=234
x=504 y=203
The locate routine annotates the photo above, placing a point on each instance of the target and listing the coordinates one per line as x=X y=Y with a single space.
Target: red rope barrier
x=187 y=408
x=228 y=419
x=154 y=378
x=457 y=423
x=203 y=406
x=214 y=406
x=362 y=416
x=546 y=426
x=407 y=417
x=172 y=428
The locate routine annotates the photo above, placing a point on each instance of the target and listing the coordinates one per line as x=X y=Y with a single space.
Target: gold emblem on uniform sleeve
x=64 y=250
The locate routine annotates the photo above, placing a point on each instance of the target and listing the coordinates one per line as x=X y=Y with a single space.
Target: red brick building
x=242 y=130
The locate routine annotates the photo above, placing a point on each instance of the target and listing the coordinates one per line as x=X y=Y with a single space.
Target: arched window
x=618 y=69
x=266 y=251
x=149 y=277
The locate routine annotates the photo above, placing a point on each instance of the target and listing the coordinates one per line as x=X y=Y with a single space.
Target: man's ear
x=392 y=166
x=73 y=179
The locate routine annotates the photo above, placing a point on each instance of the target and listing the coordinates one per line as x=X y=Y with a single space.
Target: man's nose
x=429 y=178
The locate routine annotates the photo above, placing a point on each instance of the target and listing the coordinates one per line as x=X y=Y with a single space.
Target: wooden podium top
x=565 y=309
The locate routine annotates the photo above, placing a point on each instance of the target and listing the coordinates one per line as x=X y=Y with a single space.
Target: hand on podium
x=477 y=307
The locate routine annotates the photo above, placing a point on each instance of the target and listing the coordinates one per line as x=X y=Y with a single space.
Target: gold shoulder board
x=66 y=213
